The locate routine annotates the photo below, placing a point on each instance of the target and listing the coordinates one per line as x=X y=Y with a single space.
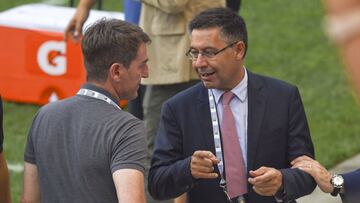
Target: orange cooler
x=36 y=65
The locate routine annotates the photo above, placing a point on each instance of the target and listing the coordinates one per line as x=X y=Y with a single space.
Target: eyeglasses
x=193 y=54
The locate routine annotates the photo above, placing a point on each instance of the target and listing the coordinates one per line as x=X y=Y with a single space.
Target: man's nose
x=145 y=72
x=200 y=61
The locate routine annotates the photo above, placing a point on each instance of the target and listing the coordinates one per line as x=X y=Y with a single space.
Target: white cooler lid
x=48 y=17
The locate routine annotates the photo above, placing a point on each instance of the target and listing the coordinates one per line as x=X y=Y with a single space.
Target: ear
x=116 y=71
x=240 y=50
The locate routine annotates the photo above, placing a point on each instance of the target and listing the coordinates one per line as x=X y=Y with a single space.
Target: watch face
x=338 y=181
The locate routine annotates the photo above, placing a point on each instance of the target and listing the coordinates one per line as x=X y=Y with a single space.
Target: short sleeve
x=129 y=147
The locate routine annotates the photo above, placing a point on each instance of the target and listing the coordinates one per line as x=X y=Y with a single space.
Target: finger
x=207 y=155
x=214 y=160
x=301 y=163
x=297 y=160
x=301 y=158
x=306 y=164
x=204 y=154
x=264 y=191
x=265 y=188
x=65 y=35
x=268 y=188
x=270 y=177
x=201 y=158
x=198 y=162
x=310 y=165
x=206 y=175
x=308 y=168
x=68 y=31
x=206 y=162
x=78 y=29
x=262 y=179
x=73 y=30
x=256 y=181
x=258 y=172
x=203 y=169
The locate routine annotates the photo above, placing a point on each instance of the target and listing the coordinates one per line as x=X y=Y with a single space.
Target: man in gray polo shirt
x=85 y=148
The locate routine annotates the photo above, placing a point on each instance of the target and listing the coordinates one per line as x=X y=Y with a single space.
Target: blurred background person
x=343 y=28
x=4 y=173
x=234 y=5
x=132 y=10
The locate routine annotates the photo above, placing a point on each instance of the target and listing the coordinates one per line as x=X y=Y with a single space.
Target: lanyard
x=217 y=139
x=97 y=95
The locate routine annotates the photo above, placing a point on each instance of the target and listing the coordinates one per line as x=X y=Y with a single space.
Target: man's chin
x=209 y=85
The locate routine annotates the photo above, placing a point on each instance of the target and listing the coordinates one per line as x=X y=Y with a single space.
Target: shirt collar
x=100 y=90
x=240 y=90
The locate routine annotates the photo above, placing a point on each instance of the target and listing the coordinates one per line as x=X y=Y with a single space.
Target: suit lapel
x=203 y=114
x=256 y=108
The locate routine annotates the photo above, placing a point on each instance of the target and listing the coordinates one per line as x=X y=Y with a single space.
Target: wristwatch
x=337 y=181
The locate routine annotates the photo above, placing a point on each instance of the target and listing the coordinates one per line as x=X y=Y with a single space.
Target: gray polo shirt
x=77 y=144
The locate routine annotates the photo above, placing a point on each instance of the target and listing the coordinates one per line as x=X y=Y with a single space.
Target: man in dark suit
x=270 y=121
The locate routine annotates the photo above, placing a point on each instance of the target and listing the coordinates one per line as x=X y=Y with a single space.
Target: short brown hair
x=108 y=41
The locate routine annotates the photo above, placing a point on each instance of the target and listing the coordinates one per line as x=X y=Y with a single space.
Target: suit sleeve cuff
x=188 y=180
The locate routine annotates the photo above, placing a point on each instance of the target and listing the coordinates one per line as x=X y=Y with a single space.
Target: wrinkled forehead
x=203 y=38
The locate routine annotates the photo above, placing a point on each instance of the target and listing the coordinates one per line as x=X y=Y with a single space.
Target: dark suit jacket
x=277 y=133
x=352 y=187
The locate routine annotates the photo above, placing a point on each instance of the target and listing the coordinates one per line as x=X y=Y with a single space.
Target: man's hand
x=74 y=28
x=202 y=165
x=316 y=170
x=266 y=181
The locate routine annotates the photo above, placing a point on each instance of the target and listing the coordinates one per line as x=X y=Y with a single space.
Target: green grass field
x=286 y=41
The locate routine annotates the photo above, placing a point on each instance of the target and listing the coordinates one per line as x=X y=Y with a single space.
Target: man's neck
x=106 y=86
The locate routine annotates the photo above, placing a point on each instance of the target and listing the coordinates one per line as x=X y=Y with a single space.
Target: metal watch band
x=337 y=181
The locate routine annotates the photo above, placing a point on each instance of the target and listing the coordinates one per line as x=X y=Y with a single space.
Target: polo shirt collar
x=93 y=87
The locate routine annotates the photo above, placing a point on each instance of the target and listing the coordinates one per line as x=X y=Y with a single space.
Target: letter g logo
x=51 y=57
